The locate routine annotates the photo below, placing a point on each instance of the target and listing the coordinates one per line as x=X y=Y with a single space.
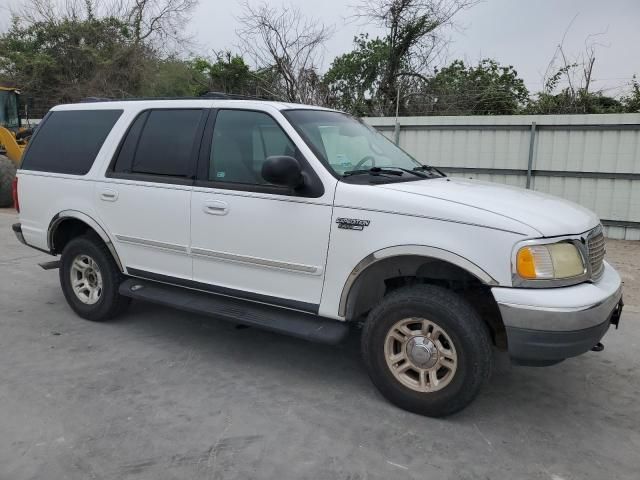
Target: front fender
x=413 y=250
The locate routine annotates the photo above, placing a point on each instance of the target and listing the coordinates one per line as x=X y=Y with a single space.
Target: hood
x=549 y=215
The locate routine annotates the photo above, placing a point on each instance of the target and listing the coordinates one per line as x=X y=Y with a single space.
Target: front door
x=251 y=239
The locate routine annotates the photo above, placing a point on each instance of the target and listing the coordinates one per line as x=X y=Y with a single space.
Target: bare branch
x=284 y=41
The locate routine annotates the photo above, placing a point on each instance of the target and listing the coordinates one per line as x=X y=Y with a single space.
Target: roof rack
x=208 y=95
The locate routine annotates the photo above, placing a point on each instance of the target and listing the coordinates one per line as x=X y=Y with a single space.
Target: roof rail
x=208 y=95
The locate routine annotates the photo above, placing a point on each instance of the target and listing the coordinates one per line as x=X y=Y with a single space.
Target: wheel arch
x=65 y=223
x=372 y=277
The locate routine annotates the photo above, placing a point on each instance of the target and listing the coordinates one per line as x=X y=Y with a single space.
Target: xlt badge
x=352 y=223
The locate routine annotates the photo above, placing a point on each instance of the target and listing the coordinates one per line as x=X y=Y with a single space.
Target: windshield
x=348 y=145
x=9 y=109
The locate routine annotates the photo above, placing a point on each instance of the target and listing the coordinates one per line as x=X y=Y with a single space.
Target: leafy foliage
x=631 y=102
x=229 y=73
x=72 y=58
x=353 y=80
x=485 y=89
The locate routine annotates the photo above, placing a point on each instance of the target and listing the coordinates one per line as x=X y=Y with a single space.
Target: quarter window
x=69 y=140
x=242 y=141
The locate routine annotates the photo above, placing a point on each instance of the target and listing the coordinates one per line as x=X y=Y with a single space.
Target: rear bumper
x=545 y=326
x=17 y=229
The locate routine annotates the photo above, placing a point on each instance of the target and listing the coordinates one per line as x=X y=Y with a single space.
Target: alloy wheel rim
x=86 y=279
x=420 y=354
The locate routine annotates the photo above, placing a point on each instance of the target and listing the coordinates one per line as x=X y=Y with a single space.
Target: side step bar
x=289 y=322
x=50 y=265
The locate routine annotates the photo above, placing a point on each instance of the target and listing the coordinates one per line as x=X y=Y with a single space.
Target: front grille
x=596 y=247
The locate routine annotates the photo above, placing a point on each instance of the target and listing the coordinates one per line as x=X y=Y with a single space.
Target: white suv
x=303 y=221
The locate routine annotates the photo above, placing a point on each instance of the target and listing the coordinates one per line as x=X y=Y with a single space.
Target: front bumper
x=545 y=326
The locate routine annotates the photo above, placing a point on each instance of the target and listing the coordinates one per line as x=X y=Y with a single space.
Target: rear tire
x=426 y=350
x=7 y=174
x=90 y=279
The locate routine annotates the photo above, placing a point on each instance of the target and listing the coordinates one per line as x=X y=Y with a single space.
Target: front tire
x=90 y=279
x=426 y=350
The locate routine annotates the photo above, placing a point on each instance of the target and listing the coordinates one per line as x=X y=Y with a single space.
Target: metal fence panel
x=593 y=160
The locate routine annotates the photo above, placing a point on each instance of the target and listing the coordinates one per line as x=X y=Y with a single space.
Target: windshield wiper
x=373 y=171
x=428 y=168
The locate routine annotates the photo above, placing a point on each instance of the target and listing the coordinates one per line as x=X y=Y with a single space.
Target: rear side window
x=69 y=140
x=161 y=142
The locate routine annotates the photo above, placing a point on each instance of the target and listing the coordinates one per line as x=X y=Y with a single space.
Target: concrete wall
x=593 y=160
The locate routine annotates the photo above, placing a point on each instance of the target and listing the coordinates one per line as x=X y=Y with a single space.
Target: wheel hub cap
x=86 y=279
x=422 y=352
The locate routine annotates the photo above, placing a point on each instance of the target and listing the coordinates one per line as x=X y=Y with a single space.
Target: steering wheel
x=364 y=160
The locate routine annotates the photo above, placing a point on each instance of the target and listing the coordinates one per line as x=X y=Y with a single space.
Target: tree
x=229 y=73
x=568 y=83
x=354 y=78
x=485 y=89
x=64 y=51
x=160 y=22
x=288 y=45
x=173 y=77
x=414 y=38
x=72 y=58
x=157 y=23
x=631 y=101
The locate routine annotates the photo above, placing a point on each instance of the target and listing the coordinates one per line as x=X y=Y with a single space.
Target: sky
x=522 y=33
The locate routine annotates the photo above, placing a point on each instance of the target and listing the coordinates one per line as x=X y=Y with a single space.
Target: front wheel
x=426 y=350
x=90 y=279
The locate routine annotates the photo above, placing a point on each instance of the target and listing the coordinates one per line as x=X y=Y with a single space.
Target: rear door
x=144 y=198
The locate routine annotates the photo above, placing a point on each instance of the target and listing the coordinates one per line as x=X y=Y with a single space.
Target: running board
x=50 y=265
x=289 y=322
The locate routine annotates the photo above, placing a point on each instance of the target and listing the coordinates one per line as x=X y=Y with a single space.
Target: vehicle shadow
x=525 y=395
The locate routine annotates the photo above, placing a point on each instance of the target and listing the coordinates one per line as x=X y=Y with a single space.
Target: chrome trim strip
x=151 y=243
x=262 y=262
x=417 y=250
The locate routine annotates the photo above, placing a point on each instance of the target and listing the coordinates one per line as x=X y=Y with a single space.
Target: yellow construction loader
x=13 y=140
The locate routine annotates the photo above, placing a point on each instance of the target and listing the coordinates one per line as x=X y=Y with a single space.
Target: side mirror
x=283 y=170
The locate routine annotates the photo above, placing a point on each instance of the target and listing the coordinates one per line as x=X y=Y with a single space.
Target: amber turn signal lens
x=526 y=263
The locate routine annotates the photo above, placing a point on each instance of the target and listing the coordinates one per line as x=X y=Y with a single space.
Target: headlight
x=554 y=261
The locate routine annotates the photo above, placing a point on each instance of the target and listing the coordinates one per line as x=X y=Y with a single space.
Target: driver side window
x=242 y=141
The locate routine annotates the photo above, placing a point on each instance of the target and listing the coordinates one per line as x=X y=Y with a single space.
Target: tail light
x=14 y=194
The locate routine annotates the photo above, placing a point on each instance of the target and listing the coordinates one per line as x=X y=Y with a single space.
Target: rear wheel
x=7 y=174
x=90 y=279
x=426 y=350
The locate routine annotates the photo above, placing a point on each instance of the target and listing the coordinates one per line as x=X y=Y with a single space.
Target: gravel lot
x=161 y=394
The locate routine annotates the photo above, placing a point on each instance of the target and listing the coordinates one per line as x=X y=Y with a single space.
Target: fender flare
x=415 y=250
x=83 y=217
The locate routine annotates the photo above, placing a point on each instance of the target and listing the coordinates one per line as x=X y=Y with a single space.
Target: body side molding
x=415 y=250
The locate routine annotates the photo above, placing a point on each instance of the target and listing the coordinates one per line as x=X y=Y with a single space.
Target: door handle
x=109 y=195
x=215 y=207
